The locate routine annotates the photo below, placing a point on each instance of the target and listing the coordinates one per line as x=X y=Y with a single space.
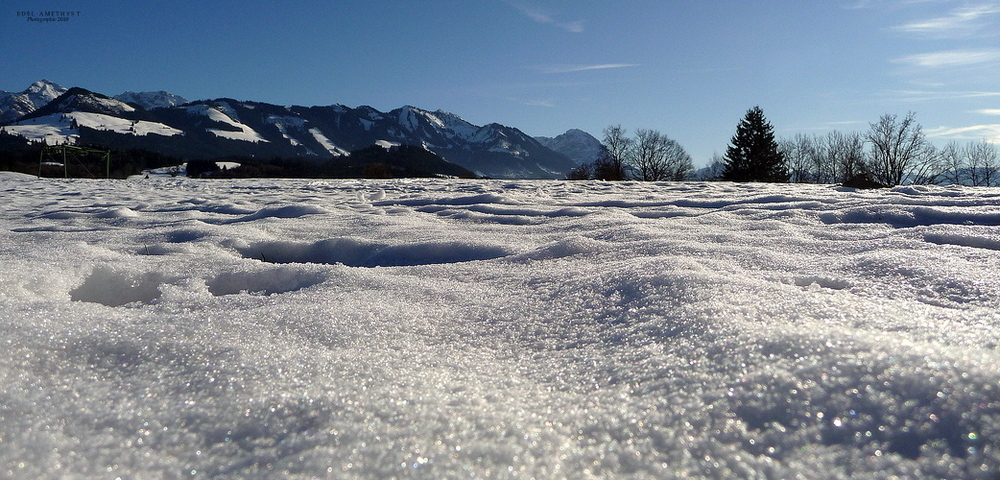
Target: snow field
x=170 y=328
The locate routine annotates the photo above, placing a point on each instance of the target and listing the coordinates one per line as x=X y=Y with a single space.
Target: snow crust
x=169 y=327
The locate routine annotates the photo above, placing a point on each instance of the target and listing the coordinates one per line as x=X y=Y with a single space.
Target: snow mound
x=288 y=211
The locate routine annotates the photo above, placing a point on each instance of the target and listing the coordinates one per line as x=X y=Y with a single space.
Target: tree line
x=18 y=154
x=375 y=161
x=893 y=151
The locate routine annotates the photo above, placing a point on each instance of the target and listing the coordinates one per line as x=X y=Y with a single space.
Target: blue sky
x=689 y=69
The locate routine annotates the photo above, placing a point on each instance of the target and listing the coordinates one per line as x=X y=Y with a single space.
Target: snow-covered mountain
x=39 y=94
x=151 y=100
x=81 y=100
x=224 y=127
x=581 y=147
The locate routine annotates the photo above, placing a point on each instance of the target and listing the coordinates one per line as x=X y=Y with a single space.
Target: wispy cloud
x=859 y=5
x=547 y=103
x=862 y=4
x=583 y=68
x=960 y=22
x=951 y=58
x=988 y=132
x=989 y=111
x=929 y=95
x=542 y=15
x=845 y=122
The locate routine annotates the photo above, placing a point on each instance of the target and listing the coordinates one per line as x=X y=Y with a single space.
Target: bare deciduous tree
x=894 y=151
x=955 y=162
x=982 y=162
x=847 y=152
x=614 y=150
x=898 y=148
x=679 y=163
x=800 y=155
x=929 y=168
x=655 y=157
x=646 y=155
x=832 y=158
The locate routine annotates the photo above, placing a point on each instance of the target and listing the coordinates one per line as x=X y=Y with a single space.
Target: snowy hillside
x=60 y=128
x=228 y=118
x=169 y=327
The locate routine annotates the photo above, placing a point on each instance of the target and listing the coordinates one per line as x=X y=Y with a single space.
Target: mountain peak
x=580 y=146
x=45 y=88
x=81 y=99
x=39 y=94
x=151 y=100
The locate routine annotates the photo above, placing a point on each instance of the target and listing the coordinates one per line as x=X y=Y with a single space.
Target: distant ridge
x=151 y=100
x=204 y=129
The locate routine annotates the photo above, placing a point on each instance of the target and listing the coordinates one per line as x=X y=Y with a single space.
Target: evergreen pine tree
x=753 y=154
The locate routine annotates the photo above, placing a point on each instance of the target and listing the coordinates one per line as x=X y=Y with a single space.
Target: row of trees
x=893 y=151
x=649 y=156
x=374 y=161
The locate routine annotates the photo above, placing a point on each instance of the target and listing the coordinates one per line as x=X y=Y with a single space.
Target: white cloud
x=582 y=68
x=960 y=22
x=541 y=15
x=951 y=58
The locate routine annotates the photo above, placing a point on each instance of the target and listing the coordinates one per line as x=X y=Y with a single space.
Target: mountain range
x=207 y=129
